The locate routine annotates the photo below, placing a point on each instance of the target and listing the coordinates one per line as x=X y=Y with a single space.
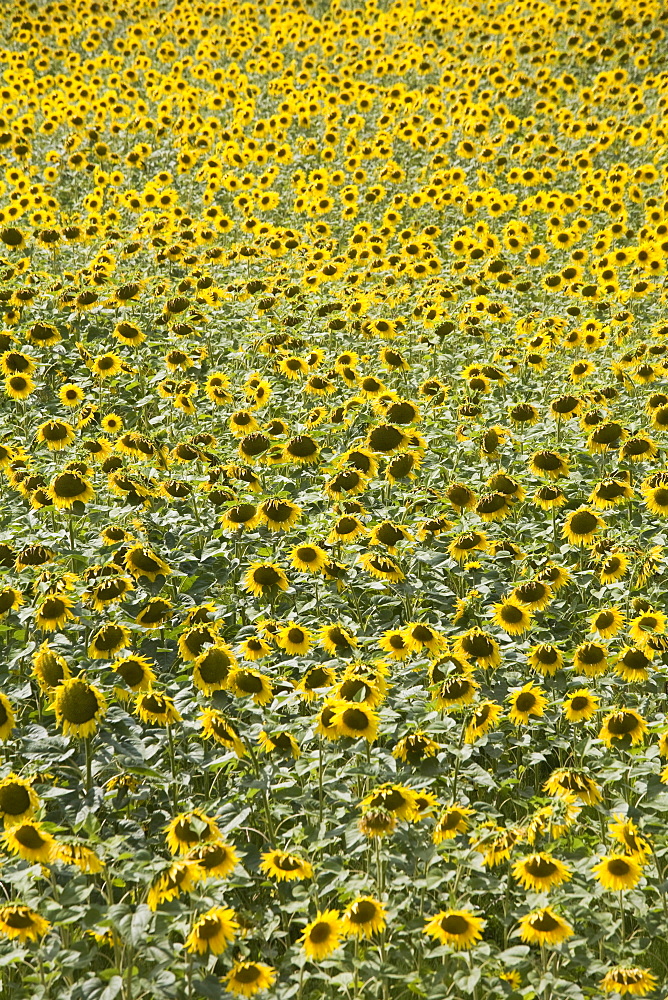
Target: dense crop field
x=333 y=500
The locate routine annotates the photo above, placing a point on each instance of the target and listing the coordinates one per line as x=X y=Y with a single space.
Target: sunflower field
x=333 y=499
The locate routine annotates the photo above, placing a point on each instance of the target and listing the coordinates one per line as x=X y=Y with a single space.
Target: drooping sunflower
x=56 y=434
x=247 y=978
x=625 y=832
x=628 y=980
x=607 y=622
x=591 y=659
x=461 y=547
x=79 y=707
x=336 y=639
x=212 y=931
x=544 y=927
x=460 y=929
x=395 y=799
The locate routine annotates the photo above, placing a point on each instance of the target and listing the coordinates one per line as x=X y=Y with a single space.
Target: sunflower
x=189 y=830
x=460 y=496
x=580 y=705
x=421 y=636
x=618 y=871
x=19 y=386
x=623 y=724
x=544 y=927
x=355 y=720
x=364 y=917
x=546 y=659
x=614 y=566
x=415 y=747
x=512 y=618
x=294 y=639
x=632 y=980
x=170 y=883
x=158 y=709
x=591 y=659
x=607 y=622
x=633 y=663
x=10 y=600
x=263 y=578
x=254 y=648
x=245 y=683
x=53 y=612
x=484 y=719
x=154 y=613
x=540 y=872
x=480 y=646
x=18 y=799
x=56 y=434
x=323 y=935
x=29 y=841
x=279 y=515
x=346 y=529
x=460 y=929
x=646 y=625
x=213 y=931
x=246 y=978
x=381 y=567
x=549 y=497
x=347 y=481
x=626 y=832
x=108 y=640
x=337 y=640
x=301 y=450
x=393 y=642
x=285 y=867
x=141 y=561
x=452 y=821
x=215 y=726
x=395 y=799
x=213 y=860
x=137 y=672
x=568 y=783
x=461 y=547
x=7 y=717
x=315 y=680
x=22 y=923
x=79 y=707
x=581 y=526
x=527 y=702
